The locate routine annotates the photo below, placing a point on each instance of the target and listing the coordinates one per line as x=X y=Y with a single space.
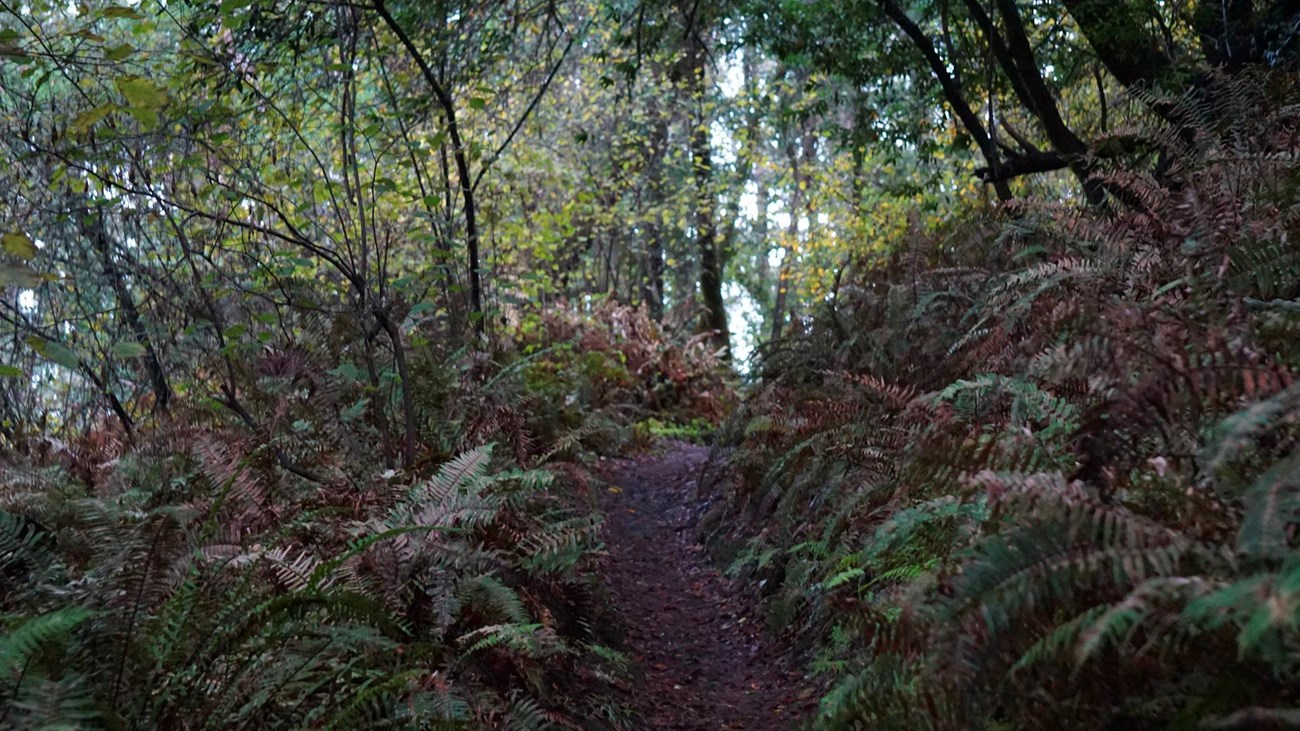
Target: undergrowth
x=1041 y=472
x=202 y=575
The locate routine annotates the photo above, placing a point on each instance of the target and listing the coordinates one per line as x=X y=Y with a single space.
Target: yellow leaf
x=19 y=245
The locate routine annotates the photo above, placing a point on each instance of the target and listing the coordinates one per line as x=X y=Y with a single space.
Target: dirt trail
x=707 y=662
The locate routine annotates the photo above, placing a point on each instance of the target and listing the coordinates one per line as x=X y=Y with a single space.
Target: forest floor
x=707 y=662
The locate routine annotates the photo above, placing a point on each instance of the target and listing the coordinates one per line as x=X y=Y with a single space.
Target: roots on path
x=707 y=662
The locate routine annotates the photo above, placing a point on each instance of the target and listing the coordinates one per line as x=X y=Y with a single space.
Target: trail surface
x=707 y=662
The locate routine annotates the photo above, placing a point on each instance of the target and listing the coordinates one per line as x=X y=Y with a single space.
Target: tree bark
x=952 y=92
x=408 y=397
x=652 y=288
x=1024 y=65
x=92 y=227
x=459 y=156
x=705 y=213
x=1122 y=45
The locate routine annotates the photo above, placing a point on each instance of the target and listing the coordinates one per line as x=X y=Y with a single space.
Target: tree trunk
x=92 y=227
x=1022 y=65
x=952 y=92
x=408 y=397
x=1119 y=38
x=705 y=213
x=652 y=287
x=460 y=157
x=800 y=202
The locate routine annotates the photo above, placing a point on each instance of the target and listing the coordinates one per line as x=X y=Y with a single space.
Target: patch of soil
x=707 y=662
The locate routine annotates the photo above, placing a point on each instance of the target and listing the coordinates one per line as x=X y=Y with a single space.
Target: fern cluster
x=1042 y=473
x=461 y=601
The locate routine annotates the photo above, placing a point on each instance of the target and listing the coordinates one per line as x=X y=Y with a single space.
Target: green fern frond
x=1054 y=561
x=492 y=598
x=1060 y=641
x=1155 y=597
x=47 y=704
x=560 y=545
x=1272 y=508
x=458 y=475
x=23 y=545
x=373 y=700
x=522 y=638
x=21 y=642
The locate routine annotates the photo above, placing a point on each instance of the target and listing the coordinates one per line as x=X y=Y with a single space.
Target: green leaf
x=147 y=117
x=347 y=371
x=118 y=11
x=54 y=352
x=119 y=53
x=24 y=640
x=141 y=92
x=128 y=350
x=7 y=371
x=353 y=412
x=477 y=102
x=88 y=118
x=19 y=245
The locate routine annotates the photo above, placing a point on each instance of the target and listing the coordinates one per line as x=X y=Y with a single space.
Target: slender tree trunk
x=952 y=92
x=761 y=198
x=460 y=157
x=92 y=227
x=705 y=209
x=796 y=155
x=1021 y=64
x=652 y=289
x=783 y=280
x=762 y=193
x=408 y=397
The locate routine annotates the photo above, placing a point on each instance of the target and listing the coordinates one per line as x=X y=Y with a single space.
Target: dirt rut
x=706 y=661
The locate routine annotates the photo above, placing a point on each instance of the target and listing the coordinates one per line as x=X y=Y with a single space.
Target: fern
x=24 y=547
x=491 y=598
x=520 y=637
x=1272 y=507
x=20 y=643
x=1042 y=466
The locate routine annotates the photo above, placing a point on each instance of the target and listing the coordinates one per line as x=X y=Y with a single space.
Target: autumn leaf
x=19 y=245
x=141 y=92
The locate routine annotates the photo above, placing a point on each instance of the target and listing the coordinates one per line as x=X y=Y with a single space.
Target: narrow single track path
x=706 y=661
